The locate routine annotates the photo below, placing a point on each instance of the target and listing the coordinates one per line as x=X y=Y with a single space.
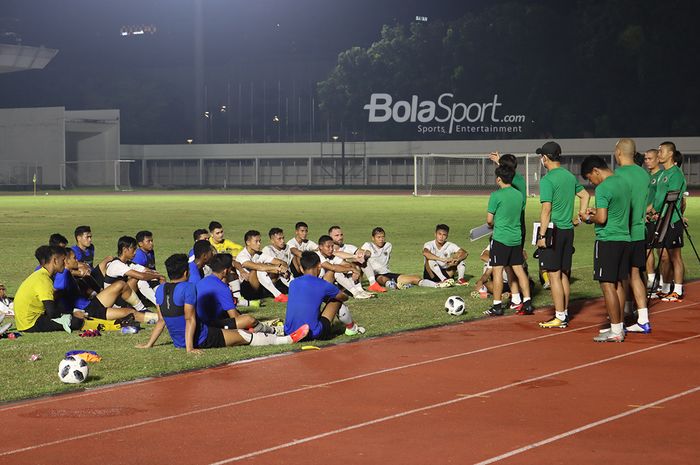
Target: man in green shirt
x=509 y=161
x=558 y=188
x=637 y=180
x=504 y=209
x=611 y=217
x=672 y=179
x=651 y=161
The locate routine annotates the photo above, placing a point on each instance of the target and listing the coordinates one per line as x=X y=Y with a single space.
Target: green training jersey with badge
x=672 y=180
x=637 y=179
x=506 y=204
x=559 y=187
x=520 y=186
x=614 y=195
x=652 y=187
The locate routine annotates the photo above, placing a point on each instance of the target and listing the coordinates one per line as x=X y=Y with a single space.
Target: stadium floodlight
x=422 y=19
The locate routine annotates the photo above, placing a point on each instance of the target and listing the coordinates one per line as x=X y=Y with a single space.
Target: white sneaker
x=355 y=330
x=363 y=295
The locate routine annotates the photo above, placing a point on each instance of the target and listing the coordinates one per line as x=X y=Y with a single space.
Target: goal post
x=462 y=174
x=114 y=174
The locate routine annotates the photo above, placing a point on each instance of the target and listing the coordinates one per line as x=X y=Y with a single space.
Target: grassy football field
x=28 y=221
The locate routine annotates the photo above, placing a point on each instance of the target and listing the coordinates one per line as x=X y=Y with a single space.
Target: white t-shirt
x=379 y=258
x=269 y=252
x=306 y=246
x=447 y=249
x=245 y=256
x=348 y=248
x=117 y=269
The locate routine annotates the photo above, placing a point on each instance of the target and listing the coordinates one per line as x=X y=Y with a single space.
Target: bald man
x=637 y=180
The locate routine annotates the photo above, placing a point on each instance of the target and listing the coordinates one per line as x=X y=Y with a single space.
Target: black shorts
x=95 y=309
x=296 y=272
x=674 y=236
x=611 y=262
x=44 y=324
x=389 y=276
x=250 y=293
x=436 y=278
x=98 y=277
x=505 y=255
x=638 y=254
x=215 y=339
x=558 y=257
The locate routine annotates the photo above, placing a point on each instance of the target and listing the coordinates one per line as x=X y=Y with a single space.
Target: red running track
x=492 y=391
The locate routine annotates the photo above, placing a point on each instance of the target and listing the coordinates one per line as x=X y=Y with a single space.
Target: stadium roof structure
x=22 y=57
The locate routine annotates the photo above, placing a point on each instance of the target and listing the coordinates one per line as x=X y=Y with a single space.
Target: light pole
x=342 y=159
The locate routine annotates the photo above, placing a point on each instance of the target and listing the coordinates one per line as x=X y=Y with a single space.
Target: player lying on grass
x=176 y=304
x=356 y=257
x=266 y=274
x=136 y=276
x=298 y=244
x=443 y=260
x=611 y=217
x=215 y=304
x=378 y=260
x=306 y=296
x=504 y=213
x=336 y=270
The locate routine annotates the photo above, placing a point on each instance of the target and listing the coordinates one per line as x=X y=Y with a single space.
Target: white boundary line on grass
x=297 y=442
x=352 y=427
x=588 y=426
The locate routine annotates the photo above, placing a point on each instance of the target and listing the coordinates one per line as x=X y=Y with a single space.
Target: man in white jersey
x=297 y=245
x=351 y=254
x=279 y=250
x=379 y=255
x=444 y=260
x=136 y=276
x=336 y=269
x=263 y=271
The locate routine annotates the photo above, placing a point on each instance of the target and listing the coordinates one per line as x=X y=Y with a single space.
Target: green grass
x=28 y=221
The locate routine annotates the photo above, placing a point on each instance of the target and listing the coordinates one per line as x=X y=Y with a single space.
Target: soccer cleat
x=282 y=298
x=659 y=295
x=462 y=282
x=355 y=330
x=554 y=323
x=609 y=336
x=446 y=283
x=363 y=295
x=525 y=308
x=643 y=328
x=376 y=287
x=673 y=297
x=495 y=310
x=516 y=307
x=300 y=333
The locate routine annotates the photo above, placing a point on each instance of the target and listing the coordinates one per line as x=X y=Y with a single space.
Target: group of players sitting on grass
x=200 y=299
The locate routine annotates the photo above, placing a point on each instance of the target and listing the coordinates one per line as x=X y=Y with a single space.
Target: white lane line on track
x=580 y=429
x=297 y=442
x=338 y=381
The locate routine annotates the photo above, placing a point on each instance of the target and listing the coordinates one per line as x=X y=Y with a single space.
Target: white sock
x=146 y=291
x=135 y=302
x=262 y=339
x=497 y=302
x=369 y=272
x=560 y=315
x=666 y=288
x=235 y=287
x=526 y=299
x=643 y=316
x=346 y=282
x=616 y=328
x=515 y=299
x=650 y=279
x=427 y=283
x=267 y=283
x=436 y=269
x=344 y=315
x=461 y=269
x=678 y=289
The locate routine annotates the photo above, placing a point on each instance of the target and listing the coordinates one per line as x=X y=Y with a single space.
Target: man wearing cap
x=557 y=191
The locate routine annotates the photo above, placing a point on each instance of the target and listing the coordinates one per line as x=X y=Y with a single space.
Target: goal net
x=435 y=174
x=115 y=174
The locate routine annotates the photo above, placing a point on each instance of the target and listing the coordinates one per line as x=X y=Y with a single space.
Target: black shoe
x=496 y=310
x=526 y=309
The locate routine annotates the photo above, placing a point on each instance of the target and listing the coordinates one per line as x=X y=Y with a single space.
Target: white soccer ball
x=73 y=370
x=454 y=305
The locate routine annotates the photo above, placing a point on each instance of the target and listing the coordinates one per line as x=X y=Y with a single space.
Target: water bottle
x=129 y=330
